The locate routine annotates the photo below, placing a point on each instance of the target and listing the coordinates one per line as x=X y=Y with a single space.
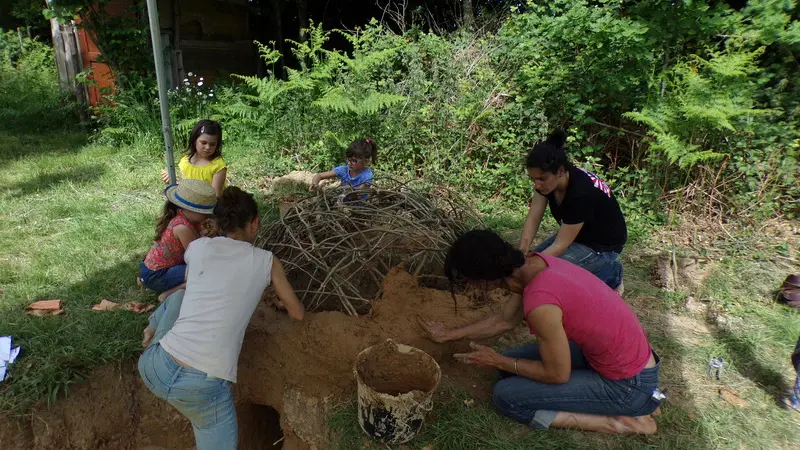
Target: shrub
x=29 y=92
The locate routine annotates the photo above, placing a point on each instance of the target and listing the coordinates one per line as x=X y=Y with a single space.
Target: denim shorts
x=604 y=265
x=162 y=279
x=207 y=401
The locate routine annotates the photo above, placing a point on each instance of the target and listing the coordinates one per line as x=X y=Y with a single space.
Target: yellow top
x=204 y=173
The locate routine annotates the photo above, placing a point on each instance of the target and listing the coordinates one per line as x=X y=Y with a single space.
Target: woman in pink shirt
x=592 y=367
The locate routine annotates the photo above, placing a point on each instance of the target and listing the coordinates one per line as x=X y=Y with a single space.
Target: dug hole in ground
x=291 y=375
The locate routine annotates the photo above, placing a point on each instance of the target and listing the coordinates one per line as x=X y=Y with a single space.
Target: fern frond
x=336 y=100
x=646 y=117
x=374 y=102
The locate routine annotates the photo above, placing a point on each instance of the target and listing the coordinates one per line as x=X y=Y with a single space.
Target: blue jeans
x=205 y=400
x=604 y=265
x=794 y=395
x=162 y=279
x=536 y=404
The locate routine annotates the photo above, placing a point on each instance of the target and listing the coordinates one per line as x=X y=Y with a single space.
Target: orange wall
x=101 y=78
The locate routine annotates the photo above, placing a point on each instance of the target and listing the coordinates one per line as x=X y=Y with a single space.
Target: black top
x=589 y=200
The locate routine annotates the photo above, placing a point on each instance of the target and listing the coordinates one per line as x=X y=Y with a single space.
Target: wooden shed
x=205 y=37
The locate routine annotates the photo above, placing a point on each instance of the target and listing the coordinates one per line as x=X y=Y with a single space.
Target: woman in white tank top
x=194 y=338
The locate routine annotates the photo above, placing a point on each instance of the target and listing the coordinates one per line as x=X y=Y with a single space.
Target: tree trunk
x=302 y=17
x=469 y=14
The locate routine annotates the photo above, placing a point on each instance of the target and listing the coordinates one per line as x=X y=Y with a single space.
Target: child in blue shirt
x=356 y=173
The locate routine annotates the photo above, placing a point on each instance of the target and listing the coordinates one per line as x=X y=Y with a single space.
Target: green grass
x=77 y=218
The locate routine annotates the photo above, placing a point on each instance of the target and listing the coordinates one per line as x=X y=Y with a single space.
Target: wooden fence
x=68 y=59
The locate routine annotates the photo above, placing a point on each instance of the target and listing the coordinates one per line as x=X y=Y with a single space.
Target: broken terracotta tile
x=46 y=305
x=732 y=397
x=105 y=305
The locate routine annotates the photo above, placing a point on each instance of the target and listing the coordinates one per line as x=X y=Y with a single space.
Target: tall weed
x=29 y=92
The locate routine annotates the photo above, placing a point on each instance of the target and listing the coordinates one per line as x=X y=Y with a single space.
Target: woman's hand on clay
x=482 y=356
x=436 y=330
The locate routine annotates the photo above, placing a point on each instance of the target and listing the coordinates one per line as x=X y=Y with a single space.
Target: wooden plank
x=81 y=92
x=70 y=56
x=58 y=47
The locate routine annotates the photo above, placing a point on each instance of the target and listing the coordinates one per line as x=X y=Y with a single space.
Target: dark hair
x=481 y=255
x=205 y=126
x=363 y=148
x=235 y=209
x=169 y=212
x=549 y=155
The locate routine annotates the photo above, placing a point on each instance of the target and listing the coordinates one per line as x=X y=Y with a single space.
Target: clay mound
x=291 y=374
x=338 y=245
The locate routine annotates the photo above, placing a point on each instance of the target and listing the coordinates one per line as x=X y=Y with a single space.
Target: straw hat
x=193 y=195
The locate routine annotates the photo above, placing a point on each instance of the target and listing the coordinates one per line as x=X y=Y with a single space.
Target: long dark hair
x=364 y=149
x=235 y=209
x=205 y=126
x=549 y=155
x=481 y=255
x=170 y=211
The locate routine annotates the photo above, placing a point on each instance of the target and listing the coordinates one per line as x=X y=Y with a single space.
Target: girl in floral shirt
x=188 y=205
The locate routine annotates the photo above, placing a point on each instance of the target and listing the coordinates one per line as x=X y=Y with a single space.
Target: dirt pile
x=290 y=374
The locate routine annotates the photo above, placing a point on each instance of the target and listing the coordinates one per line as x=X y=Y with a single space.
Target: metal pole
x=158 y=57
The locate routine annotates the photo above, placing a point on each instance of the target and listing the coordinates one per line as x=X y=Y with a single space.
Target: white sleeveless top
x=225 y=280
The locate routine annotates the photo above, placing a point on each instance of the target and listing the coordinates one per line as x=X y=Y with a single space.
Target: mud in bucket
x=395 y=388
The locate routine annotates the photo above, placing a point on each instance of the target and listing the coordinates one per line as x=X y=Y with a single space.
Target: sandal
x=789 y=292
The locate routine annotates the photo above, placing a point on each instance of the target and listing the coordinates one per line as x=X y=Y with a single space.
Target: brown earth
x=291 y=374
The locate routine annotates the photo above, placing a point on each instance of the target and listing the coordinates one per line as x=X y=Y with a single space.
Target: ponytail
x=235 y=209
x=549 y=155
x=363 y=148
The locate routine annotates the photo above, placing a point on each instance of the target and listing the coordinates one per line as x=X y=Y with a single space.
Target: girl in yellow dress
x=203 y=160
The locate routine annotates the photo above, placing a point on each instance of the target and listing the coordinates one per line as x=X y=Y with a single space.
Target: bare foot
x=139 y=282
x=149 y=332
x=635 y=425
x=620 y=289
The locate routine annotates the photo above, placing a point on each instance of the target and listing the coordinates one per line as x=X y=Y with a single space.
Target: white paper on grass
x=7 y=355
x=5 y=348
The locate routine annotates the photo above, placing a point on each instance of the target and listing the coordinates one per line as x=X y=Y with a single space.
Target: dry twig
x=338 y=245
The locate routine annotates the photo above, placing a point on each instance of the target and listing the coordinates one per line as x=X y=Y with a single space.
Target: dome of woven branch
x=338 y=245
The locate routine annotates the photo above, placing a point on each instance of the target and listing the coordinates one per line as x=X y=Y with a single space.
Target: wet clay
x=388 y=371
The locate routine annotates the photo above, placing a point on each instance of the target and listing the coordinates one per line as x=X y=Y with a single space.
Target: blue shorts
x=162 y=279
x=604 y=265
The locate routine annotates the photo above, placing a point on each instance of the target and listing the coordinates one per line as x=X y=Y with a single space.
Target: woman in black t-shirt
x=593 y=231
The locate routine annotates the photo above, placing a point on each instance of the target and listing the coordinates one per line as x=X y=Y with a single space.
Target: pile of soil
x=290 y=374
